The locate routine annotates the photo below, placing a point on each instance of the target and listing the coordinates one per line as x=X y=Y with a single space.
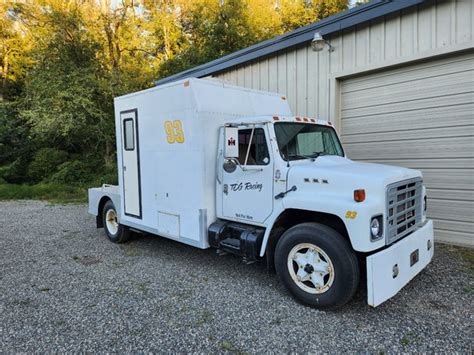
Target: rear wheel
x=116 y=232
x=317 y=265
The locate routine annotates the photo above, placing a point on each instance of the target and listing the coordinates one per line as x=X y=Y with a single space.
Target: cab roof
x=276 y=119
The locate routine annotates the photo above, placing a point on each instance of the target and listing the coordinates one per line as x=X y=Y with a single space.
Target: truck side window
x=258 y=154
x=128 y=135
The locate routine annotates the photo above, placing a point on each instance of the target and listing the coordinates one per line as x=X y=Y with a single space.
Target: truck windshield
x=302 y=141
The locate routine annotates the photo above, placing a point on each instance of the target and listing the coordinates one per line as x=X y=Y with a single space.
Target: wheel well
x=100 y=211
x=292 y=217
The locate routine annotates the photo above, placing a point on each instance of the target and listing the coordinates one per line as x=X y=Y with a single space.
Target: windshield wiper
x=317 y=154
x=297 y=156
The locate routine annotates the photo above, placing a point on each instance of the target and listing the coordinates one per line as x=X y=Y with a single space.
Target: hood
x=339 y=173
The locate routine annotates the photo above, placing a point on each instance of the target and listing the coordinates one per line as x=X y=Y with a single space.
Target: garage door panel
x=462 y=179
x=403 y=92
x=425 y=148
x=452 y=237
x=455 y=107
x=428 y=69
x=450 y=194
x=409 y=134
x=462 y=211
x=421 y=117
x=425 y=163
x=463 y=227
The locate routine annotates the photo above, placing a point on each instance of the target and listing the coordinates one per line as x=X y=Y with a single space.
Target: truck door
x=248 y=190
x=130 y=164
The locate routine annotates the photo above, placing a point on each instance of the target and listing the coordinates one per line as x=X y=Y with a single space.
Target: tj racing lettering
x=246 y=186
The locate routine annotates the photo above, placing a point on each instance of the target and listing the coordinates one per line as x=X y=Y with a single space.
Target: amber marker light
x=359 y=195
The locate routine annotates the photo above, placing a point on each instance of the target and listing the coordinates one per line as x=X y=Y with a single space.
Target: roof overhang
x=330 y=25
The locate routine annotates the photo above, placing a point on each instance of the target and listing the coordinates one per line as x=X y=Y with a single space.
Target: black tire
x=122 y=234
x=343 y=258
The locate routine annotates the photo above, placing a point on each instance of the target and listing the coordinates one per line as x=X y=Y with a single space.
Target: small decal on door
x=243 y=216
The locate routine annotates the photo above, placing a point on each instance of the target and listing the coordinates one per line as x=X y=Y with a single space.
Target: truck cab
x=276 y=188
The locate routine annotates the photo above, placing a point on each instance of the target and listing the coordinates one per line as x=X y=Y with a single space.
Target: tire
x=301 y=265
x=117 y=233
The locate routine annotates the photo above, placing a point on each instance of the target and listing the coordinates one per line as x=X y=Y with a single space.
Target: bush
x=14 y=172
x=73 y=172
x=109 y=178
x=45 y=162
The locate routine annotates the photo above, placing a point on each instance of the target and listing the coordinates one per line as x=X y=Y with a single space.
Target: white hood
x=341 y=173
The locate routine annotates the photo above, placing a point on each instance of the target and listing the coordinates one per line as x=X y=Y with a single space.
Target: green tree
x=63 y=61
x=63 y=102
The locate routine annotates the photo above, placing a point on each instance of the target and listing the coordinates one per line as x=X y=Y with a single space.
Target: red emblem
x=231 y=141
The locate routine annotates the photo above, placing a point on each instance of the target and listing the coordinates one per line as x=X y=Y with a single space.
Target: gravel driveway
x=65 y=287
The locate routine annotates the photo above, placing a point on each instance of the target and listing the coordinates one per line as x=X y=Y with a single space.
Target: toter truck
x=213 y=165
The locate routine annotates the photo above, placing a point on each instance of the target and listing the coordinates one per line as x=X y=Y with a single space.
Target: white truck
x=210 y=164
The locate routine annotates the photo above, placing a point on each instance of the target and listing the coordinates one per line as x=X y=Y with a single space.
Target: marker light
x=359 y=195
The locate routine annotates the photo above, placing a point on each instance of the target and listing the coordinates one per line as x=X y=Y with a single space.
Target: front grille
x=404 y=208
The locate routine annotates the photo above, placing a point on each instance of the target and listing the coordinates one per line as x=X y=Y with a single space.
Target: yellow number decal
x=178 y=131
x=351 y=214
x=169 y=132
x=174 y=131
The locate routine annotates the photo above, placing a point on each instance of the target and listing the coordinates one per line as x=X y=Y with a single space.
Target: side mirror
x=231 y=142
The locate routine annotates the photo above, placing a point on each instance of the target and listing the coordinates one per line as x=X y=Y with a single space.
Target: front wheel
x=116 y=232
x=317 y=265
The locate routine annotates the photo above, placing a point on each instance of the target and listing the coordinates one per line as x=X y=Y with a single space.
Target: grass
x=408 y=338
x=54 y=193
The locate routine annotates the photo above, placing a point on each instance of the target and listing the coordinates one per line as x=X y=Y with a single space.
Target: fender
x=357 y=225
x=97 y=194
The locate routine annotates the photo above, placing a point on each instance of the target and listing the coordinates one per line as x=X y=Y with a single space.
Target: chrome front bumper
x=389 y=270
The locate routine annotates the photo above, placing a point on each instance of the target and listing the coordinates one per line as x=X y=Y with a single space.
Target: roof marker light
x=298 y=119
x=283 y=98
x=186 y=83
x=276 y=118
x=313 y=120
x=306 y=119
x=329 y=123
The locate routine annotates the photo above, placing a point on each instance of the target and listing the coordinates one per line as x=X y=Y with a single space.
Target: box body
x=177 y=131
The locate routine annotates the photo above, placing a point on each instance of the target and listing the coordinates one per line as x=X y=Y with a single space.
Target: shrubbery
x=45 y=162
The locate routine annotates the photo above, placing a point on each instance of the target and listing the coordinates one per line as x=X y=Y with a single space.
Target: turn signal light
x=359 y=195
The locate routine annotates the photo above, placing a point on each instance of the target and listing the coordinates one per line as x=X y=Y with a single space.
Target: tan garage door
x=420 y=116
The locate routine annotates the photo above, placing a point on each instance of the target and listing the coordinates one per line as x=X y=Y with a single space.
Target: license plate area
x=414 y=257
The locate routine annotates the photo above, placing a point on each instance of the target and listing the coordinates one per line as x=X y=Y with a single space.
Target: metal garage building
x=399 y=87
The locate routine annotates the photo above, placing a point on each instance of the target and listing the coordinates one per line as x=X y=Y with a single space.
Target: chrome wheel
x=310 y=268
x=111 y=221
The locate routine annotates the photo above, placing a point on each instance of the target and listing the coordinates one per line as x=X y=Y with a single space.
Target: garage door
x=422 y=117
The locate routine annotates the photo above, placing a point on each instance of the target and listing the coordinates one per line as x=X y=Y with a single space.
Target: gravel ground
x=65 y=287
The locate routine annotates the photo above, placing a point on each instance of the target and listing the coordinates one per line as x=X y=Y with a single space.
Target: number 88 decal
x=174 y=132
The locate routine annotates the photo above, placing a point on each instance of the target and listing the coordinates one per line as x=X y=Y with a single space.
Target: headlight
x=375 y=227
x=376 y=230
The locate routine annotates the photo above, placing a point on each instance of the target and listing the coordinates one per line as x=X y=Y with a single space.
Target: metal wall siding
x=429 y=26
